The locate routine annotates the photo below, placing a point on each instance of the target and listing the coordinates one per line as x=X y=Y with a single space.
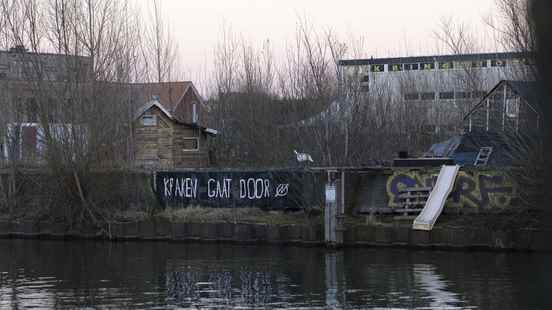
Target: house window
x=149 y=120
x=498 y=63
x=377 y=68
x=411 y=67
x=479 y=64
x=446 y=65
x=462 y=95
x=512 y=107
x=4 y=71
x=395 y=67
x=427 y=66
x=190 y=144
x=526 y=61
x=446 y=95
x=428 y=96
x=411 y=96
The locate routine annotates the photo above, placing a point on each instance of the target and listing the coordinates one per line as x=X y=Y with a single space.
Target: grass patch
x=236 y=215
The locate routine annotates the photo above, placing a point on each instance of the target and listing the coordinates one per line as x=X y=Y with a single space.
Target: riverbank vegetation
x=264 y=107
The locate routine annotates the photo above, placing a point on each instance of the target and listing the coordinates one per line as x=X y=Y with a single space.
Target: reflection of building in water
x=335 y=279
x=435 y=286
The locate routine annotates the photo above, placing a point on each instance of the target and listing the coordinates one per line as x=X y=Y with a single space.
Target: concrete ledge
x=225 y=231
x=180 y=231
x=355 y=235
x=162 y=229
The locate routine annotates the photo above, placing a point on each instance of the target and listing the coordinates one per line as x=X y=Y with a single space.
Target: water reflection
x=436 y=287
x=204 y=288
x=46 y=274
x=334 y=276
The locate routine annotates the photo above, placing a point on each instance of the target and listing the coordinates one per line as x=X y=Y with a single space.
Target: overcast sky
x=389 y=27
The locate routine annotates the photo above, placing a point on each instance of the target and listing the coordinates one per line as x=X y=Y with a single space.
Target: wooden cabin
x=166 y=129
x=162 y=141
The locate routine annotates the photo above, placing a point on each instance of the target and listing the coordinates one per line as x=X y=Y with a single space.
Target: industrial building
x=444 y=87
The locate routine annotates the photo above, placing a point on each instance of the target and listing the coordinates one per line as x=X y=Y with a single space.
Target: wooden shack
x=162 y=141
x=168 y=134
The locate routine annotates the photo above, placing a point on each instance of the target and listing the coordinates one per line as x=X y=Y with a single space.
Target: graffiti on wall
x=265 y=189
x=473 y=189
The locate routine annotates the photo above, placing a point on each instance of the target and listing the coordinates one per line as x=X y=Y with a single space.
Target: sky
x=389 y=27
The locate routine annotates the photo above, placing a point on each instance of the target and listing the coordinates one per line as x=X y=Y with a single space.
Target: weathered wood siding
x=152 y=142
x=187 y=158
x=184 y=111
x=163 y=145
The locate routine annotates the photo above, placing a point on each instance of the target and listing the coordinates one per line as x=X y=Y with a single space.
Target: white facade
x=445 y=87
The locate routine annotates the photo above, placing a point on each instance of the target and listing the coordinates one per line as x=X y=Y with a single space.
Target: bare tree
x=82 y=118
x=264 y=114
x=160 y=50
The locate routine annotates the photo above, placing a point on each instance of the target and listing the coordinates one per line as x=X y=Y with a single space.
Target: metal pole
x=329 y=210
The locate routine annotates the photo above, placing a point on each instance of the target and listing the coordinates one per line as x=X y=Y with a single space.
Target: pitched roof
x=527 y=90
x=155 y=103
x=169 y=93
x=149 y=105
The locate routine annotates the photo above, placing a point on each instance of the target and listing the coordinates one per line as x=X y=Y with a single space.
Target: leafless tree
x=76 y=98
x=265 y=112
x=159 y=49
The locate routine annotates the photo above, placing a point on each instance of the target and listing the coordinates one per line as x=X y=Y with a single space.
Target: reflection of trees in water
x=222 y=284
x=256 y=287
x=181 y=285
x=128 y=275
x=201 y=286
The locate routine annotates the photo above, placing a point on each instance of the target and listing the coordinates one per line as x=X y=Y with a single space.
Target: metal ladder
x=483 y=156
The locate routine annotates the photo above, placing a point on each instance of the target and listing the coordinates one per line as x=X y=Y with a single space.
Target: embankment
x=399 y=235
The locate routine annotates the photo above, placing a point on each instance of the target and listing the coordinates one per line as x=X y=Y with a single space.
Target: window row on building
x=446 y=65
x=447 y=95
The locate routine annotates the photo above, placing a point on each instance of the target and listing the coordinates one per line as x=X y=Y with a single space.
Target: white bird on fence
x=302 y=157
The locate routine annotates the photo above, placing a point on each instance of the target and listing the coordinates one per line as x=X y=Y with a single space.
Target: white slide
x=436 y=201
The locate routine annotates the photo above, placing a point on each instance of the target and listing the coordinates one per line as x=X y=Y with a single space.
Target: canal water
x=132 y=275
